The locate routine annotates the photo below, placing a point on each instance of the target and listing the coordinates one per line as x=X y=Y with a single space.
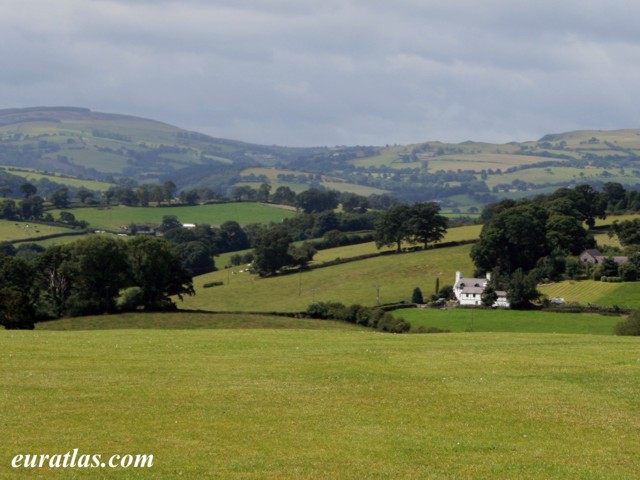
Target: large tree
x=393 y=228
x=17 y=294
x=514 y=238
x=155 y=267
x=271 y=250
x=426 y=225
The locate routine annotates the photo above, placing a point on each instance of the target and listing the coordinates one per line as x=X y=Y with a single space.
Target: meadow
x=244 y=213
x=480 y=320
x=13 y=230
x=310 y=404
x=381 y=279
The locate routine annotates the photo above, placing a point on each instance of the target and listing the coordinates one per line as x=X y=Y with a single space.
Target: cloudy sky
x=331 y=72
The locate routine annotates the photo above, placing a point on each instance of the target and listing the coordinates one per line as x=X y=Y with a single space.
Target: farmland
x=596 y=293
x=112 y=218
x=292 y=404
x=480 y=320
x=11 y=230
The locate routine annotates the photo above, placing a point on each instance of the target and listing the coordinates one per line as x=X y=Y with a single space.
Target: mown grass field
x=387 y=278
x=597 y=293
x=479 y=320
x=294 y=404
x=244 y=213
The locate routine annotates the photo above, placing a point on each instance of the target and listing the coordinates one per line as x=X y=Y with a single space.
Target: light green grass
x=481 y=320
x=597 y=293
x=392 y=276
x=244 y=213
x=12 y=230
x=287 y=404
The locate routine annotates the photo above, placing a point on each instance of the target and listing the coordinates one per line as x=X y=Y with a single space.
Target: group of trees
x=418 y=223
x=88 y=277
x=528 y=241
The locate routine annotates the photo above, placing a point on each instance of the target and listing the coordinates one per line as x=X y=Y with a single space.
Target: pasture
x=31 y=175
x=597 y=293
x=14 y=230
x=307 y=404
x=481 y=320
x=388 y=278
x=112 y=218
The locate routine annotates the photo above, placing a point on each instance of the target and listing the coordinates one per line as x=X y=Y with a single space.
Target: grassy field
x=478 y=320
x=391 y=278
x=293 y=404
x=191 y=320
x=12 y=230
x=597 y=293
x=244 y=213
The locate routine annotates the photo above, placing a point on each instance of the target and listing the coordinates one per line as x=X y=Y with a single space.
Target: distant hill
x=116 y=148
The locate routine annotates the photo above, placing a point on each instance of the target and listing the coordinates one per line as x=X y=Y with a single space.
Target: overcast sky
x=331 y=72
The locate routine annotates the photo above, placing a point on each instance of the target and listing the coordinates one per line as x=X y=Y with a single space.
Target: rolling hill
x=114 y=148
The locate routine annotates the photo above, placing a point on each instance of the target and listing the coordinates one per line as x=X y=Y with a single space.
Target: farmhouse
x=469 y=291
x=595 y=257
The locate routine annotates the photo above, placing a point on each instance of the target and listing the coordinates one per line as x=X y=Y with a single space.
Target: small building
x=594 y=256
x=468 y=291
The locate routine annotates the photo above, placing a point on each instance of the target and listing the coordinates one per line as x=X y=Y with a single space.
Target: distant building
x=595 y=257
x=469 y=291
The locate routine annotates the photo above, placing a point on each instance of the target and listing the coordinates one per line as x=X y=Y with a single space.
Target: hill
x=116 y=148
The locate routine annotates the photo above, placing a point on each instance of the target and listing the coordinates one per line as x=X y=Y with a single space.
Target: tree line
x=99 y=274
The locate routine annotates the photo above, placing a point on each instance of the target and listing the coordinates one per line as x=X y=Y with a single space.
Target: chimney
x=488 y=276
x=458 y=276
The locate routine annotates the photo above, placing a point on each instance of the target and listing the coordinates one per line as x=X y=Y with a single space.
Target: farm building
x=595 y=257
x=469 y=291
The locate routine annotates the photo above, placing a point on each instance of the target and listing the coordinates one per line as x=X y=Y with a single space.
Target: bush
x=370 y=317
x=430 y=330
x=630 y=326
x=212 y=284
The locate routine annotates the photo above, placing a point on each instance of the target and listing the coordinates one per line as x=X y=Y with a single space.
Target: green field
x=244 y=213
x=191 y=320
x=304 y=404
x=12 y=230
x=596 y=293
x=391 y=277
x=480 y=320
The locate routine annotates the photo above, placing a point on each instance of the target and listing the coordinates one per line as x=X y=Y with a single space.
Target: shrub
x=630 y=326
x=212 y=284
x=429 y=330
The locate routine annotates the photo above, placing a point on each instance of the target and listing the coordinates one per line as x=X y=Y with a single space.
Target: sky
x=329 y=72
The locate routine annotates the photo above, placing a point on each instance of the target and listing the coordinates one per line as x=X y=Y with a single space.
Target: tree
x=169 y=188
x=271 y=250
x=195 y=256
x=100 y=270
x=489 y=297
x=231 y=238
x=522 y=290
x=169 y=222
x=56 y=272
x=84 y=194
x=566 y=233
x=28 y=189
x=284 y=195
x=32 y=207
x=263 y=192
x=609 y=267
x=316 y=201
x=17 y=295
x=60 y=198
x=426 y=225
x=392 y=228
x=4 y=191
x=155 y=267
x=514 y=238
x=9 y=210
x=417 y=297
x=68 y=218
x=628 y=231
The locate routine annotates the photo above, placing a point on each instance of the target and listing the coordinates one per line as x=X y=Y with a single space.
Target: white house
x=469 y=291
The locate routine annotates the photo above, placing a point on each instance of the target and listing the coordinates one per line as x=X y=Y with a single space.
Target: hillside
x=122 y=148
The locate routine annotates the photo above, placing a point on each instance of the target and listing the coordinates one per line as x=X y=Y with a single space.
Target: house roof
x=471 y=282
